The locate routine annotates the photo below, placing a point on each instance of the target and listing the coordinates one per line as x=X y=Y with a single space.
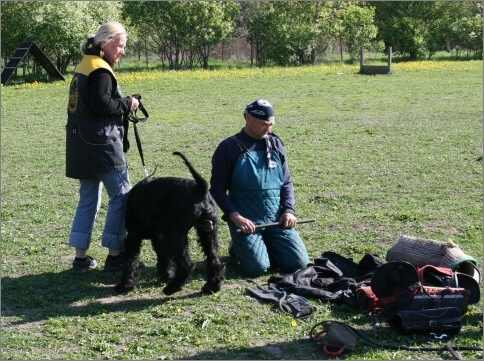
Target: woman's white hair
x=106 y=33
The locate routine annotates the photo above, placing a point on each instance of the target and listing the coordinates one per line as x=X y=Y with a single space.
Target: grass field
x=372 y=158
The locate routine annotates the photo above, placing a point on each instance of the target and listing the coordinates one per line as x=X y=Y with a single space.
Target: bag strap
x=292 y=304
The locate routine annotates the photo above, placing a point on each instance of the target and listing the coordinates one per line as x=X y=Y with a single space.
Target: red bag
x=398 y=286
x=421 y=298
x=367 y=300
x=445 y=277
x=425 y=298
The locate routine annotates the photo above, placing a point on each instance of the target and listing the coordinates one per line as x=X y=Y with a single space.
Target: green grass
x=372 y=158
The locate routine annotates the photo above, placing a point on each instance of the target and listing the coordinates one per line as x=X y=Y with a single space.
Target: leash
x=317 y=337
x=132 y=116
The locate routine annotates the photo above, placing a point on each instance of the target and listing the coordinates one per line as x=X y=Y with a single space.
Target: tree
x=212 y=23
x=458 y=27
x=298 y=32
x=133 y=14
x=293 y=32
x=58 y=27
x=67 y=24
x=358 y=29
x=16 y=21
x=182 y=32
x=285 y=33
x=419 y=29
x=404 y=25
x=259 y=23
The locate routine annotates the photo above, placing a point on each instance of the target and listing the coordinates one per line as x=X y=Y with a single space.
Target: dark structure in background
x=38 y=54
x=376 y=69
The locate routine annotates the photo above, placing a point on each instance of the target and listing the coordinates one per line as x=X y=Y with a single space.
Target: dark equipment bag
x=399 y=287
x=420 y=299
x=424 y=298
x=338 y=337
x=438 y=320
x=335 y=337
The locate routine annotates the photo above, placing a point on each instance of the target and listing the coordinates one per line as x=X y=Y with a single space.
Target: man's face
x=257 y=128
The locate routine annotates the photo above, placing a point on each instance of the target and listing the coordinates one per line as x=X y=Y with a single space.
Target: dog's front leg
x=131 y=273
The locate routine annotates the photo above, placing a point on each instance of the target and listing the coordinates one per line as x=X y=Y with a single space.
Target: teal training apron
x=255 y=191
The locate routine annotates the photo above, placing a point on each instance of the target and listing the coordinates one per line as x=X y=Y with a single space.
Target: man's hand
x=288 y=220
x=245 y=225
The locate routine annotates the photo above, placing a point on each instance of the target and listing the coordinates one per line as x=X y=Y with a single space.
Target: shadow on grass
x=389 y=340
x=288 y=350
x=34 y=298
x=37 y=297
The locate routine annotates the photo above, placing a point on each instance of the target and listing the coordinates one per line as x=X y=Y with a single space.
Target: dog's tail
x=202 y=183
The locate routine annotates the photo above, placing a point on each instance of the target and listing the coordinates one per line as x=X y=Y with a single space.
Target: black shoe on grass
x=82 y=266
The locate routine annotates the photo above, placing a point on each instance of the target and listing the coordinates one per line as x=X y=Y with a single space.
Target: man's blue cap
x=261 y=109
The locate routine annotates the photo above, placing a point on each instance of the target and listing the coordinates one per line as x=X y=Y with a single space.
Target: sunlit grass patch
x=372 y=157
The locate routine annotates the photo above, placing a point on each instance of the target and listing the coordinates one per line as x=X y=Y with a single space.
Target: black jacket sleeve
x=102 y=88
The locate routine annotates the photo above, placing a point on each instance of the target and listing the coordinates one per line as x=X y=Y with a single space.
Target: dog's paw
x=171 y=289
x=209 y=288
x=166 y=275
x=122 y=288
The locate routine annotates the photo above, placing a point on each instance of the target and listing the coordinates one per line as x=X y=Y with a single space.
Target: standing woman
x=94 y=146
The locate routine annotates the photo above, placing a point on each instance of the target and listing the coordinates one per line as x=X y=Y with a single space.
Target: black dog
x=164 y=210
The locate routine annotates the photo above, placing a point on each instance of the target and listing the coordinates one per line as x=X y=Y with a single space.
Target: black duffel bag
x=436 y=320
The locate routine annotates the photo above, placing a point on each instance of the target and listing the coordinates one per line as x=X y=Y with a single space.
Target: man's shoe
x=79 y=267
x=118 y=264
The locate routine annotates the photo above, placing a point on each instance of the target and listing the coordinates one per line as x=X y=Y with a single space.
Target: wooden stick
x=274 y=224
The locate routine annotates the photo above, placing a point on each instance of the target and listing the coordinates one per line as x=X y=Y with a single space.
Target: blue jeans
x=117 y=185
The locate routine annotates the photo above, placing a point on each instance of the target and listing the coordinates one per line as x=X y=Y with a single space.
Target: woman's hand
x=134 y=104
